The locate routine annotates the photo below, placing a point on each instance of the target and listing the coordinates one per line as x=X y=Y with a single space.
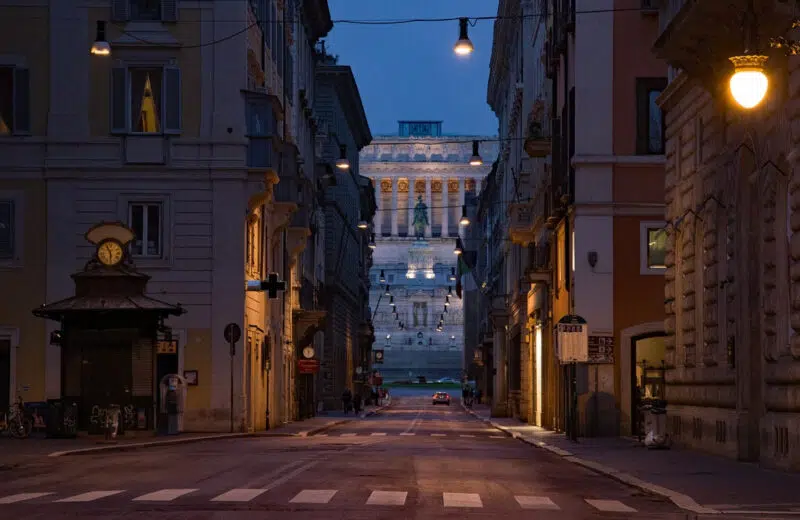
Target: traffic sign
x=233 y=333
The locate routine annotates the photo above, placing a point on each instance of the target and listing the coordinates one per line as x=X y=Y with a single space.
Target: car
x=441 y=398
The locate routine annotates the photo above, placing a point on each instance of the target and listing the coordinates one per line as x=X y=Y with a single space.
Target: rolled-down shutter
x=172 y=100
x=169 y=10
x=119 y=100
x=120 y=10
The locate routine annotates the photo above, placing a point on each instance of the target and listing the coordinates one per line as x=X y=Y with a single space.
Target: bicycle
x=16 y=422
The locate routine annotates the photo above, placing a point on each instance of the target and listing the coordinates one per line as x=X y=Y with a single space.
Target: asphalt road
x=413 y=461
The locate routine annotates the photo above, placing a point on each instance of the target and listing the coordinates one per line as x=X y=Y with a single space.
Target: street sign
x=167 y=347
x=272 y=285
x=233 y=333
x=307 y=366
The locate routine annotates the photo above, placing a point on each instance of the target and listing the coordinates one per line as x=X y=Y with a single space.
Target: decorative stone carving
x=436 y=186
x=470 y=185
x=710 y=255
x=769 y=290
x=386 y=185
x=419 y=186
x=402 y=185
x=452 y=185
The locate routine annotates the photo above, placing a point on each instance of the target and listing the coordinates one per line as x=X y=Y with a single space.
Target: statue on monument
x=420 y=218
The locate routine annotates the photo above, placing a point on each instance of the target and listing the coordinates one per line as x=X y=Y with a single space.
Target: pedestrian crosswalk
x=382 y=497
x=413 y=434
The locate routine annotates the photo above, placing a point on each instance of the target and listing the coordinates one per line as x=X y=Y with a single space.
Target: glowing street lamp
x=463 y=46
x=749 y=82
x=101 y=47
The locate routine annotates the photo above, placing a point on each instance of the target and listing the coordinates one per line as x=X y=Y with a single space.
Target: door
x=647 y=375
x=107 y=375
x=5 y=375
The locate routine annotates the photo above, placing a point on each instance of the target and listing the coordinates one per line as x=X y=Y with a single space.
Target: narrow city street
x=414 y=460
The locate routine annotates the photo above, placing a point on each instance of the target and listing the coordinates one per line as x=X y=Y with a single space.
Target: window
x=146 y=219
x=420 y=314
x=7 y=223
x=14 y=101
x=261 y=126
x=653 y=248
x=146 y=100
x=253 y=266
x=649 y=118
x=145 y=10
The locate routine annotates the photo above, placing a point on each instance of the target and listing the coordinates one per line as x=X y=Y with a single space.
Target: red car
x=441 y=398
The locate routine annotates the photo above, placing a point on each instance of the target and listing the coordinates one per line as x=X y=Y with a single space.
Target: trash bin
x=62 y=419
x=656 y=424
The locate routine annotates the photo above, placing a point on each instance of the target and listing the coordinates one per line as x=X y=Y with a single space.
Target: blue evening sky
x=410 y=71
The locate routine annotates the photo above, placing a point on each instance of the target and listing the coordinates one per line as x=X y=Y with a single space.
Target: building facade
x=349 y=205
x=585 y=236
x=174 y=140
x=732 y=279
x=420 y=172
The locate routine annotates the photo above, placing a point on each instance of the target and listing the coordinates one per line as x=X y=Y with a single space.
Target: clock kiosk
x=110 y=335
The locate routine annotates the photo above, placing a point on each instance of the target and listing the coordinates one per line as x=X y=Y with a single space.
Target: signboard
x=601 y=349
x=307 y=366
x=167 y=347
x=572 y=336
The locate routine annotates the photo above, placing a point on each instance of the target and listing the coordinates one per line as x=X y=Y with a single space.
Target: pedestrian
x=347 y=398
x=357 y=403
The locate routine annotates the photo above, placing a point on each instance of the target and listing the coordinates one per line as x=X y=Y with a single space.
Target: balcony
x=520 y=223
x=689 y=42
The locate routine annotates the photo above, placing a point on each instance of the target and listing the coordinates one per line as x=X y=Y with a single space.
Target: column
x=377 y=222
x=462 y=197
x=412 y=201
x=446 y=210
x=429 y=202
x=394 y=206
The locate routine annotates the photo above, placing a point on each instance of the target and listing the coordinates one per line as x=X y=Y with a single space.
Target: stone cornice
x=423 y=168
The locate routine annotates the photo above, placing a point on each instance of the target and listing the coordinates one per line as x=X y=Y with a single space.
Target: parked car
x=441 y=398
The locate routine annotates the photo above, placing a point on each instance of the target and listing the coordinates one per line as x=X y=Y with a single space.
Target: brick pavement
x=715 y=483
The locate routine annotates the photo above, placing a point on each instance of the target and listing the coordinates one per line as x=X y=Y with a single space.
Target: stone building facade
x=420 y=163
x=732 y=280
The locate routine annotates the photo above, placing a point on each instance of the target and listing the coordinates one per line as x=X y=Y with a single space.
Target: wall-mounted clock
x=110 y=252
x=308 y=352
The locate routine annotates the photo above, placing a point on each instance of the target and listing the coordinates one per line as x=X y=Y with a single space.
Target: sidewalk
x=694 y=481
x=15 y=453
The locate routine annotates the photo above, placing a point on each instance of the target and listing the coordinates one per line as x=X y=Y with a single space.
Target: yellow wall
x=197 y=356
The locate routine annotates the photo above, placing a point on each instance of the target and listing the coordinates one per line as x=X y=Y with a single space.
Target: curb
x=190 y=440
x=681 y=500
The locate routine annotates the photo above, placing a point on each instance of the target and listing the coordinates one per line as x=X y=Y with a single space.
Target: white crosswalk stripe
x=378 y=434
x=461 y=500
x=314 y=496
x=22 y=497
x=164 y=495
x=531 y=502
x=611 y=506
x=466 y=435
x=437 y=435
x=409 y=434
x=238 y=495
x=387 y=498
x=311 y=496
x=91 y=496
x=349 y=434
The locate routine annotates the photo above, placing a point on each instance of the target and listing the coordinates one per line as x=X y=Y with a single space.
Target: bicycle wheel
x=21 y=429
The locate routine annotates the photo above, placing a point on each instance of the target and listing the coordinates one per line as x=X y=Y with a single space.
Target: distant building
x=418 y=264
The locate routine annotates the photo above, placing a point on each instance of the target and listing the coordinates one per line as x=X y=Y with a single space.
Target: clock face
x=308 y=352
x=109 y=253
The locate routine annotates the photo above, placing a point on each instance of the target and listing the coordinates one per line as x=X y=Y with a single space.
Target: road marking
x=313 y=496
x=461 y=500
x=387 y=498
x=438 y=435
x=239 y=495
x=90 y=496
x=164 y=495
x=464 y=435
x=378 y=434
x=21 y=497
x=530 y=502
x=348 y=435
x=611 y=506
x=407 y=434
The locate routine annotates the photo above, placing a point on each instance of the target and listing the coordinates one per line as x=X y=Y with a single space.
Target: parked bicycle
x=16 y=422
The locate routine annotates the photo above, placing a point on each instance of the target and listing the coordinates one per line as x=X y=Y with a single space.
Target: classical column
x=445 y=206
x=462 y=197
x=429 y=202
x=412 y=201
x=394 y=206
x=377 y=222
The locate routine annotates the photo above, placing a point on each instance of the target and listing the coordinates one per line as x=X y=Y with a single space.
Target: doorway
x=647 y=374
x=5 y=375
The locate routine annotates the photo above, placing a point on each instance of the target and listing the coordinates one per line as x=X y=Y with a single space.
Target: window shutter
x=172 y=100
x=119 y=100
x=120 y=10
x=169 y=10
x=22 y=101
